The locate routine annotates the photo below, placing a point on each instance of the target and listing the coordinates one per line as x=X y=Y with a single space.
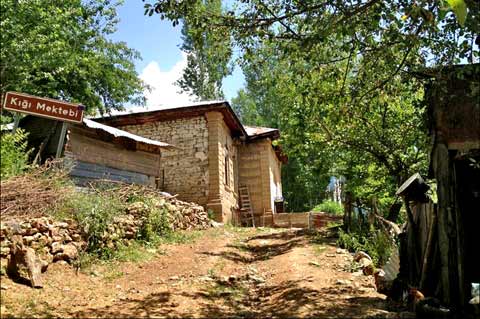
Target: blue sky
x=158 y=42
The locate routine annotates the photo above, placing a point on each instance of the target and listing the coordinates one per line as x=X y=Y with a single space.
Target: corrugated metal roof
x=121 y=133
x=257 y=130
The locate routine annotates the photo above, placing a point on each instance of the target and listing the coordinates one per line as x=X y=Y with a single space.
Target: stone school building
x=217 y=162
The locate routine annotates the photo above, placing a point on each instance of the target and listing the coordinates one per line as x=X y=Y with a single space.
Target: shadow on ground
x=220 y=300
x=261 y=247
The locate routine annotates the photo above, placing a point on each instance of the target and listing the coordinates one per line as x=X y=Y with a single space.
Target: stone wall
x=185 y=170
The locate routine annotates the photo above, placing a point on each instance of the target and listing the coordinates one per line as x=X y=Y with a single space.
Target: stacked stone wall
x=185 y=170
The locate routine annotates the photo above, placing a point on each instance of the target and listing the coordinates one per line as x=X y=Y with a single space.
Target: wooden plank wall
x=307 y=220
x=83 y=172
x=108 y=159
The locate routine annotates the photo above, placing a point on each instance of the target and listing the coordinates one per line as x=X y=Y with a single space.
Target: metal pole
x=61 y=140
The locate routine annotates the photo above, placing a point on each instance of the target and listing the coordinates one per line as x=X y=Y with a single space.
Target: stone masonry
x=186 y=169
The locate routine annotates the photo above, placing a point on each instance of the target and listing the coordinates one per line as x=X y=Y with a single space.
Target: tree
x=339 y=79
x=208 y=54
x=61 y=50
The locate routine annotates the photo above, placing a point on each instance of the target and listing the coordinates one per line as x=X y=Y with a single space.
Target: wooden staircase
x=246 y=211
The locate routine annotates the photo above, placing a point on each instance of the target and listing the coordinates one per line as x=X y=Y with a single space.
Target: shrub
x=156 y=223
x=14 y=153
x=94 y=213
x=329 y=207
x=375 y=243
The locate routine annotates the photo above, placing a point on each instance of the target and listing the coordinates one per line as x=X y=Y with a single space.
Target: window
x=227 y=171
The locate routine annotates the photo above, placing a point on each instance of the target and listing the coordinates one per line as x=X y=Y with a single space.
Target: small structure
x=444 y=260
x=216 y=156
x=97 y=151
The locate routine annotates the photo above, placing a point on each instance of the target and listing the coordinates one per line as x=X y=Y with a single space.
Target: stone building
x=215 y=156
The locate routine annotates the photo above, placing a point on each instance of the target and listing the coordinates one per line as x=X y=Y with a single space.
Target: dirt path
x=224 y=273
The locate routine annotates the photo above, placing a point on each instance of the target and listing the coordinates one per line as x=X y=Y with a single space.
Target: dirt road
x=226 y=272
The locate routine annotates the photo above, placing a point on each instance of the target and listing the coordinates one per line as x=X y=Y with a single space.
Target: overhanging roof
x=119 y=135
x=171 y=113
x=256 y=132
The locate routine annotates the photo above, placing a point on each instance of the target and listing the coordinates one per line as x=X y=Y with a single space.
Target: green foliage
x=375 y=243
x=94 y=212
x=460 y=9
x=156 y=224
x=330 y=207
x=211 y=214
x=14 y=153
x=208 y=53
x=339 y=80
x=62 y=49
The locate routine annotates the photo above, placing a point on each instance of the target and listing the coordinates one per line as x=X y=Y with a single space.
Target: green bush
x=329 y=207
x=93 y=212
x=156 y=224
x=375 y=243
x=14 y=153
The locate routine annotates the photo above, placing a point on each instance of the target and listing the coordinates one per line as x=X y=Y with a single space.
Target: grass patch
x=319 y=249
x=135 y=252
x=329 y=207
x=181 y=237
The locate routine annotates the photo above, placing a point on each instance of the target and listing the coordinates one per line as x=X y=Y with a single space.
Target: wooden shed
x=98 y=151
x=443 y=261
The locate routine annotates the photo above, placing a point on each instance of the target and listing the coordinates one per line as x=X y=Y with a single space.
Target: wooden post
x=16 y=121
x=61 y=140
x=441 y=161
x=428 y=256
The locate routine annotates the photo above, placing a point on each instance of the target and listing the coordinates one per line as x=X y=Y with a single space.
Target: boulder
x=56 y=247
x=25 y=264
x=69 y=253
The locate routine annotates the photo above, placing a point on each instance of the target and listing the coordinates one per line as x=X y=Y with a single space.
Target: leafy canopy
x=61 y=49
x=339 y=78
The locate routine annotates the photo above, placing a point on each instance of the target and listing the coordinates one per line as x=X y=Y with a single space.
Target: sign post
x=44 y=107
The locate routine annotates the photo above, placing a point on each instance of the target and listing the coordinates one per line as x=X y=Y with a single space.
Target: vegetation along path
x=221 y=272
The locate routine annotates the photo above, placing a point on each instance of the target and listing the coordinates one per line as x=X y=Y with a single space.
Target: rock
x=343 y=282
x=56 y=247
x=25 y=264
x=27 y=239
x=44 y=265
x=45 y=240
x=70 y=252
x=341 y=251
x=67 y=238
x=57 y=238
x=31 y=231
x=359 y=255
x=76 y=237
x=62 y=225
x=4 y=251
